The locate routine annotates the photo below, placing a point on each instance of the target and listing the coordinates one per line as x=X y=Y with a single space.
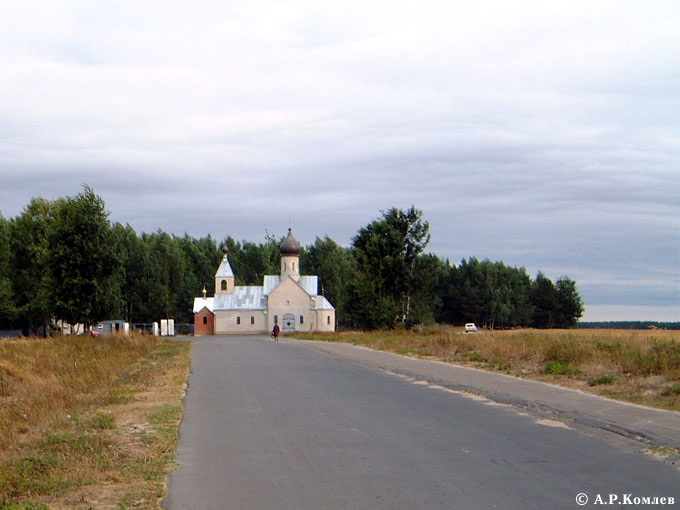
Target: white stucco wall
x=290 y=266
x=288 y=297
x=226 y=322
x=325 y=320
x=218 y=285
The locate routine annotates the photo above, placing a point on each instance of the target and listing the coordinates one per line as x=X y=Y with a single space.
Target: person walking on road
x=275 y=332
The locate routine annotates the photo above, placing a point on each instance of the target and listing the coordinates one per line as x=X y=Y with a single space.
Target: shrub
x=604 y=346
x=604 y=379
x=559 y=368
x=476 y=356
x=671 y=390
x=6 y=504
x=500 y=362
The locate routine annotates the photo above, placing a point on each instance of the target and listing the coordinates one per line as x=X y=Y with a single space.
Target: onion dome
x=290 y=245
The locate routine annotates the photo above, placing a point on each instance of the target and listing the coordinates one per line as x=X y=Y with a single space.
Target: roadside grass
x=88 y=422
x=642 y=367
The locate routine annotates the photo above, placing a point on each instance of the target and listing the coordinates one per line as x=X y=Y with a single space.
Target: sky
x=545 y=135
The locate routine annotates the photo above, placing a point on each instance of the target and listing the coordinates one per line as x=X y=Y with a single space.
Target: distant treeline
x=64 y=259
x=629 y=325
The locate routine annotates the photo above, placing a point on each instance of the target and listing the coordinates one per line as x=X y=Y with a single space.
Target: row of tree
x=64 y=259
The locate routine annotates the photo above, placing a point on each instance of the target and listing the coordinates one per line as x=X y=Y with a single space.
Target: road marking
x=480 y=398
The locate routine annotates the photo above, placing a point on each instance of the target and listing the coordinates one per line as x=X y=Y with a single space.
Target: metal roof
x=243 y=298
x=290 y=245
x=201 y=303
x=323 y=304
x=310 y=284
x=270 y=283
x=224 y=271
x=248 y=297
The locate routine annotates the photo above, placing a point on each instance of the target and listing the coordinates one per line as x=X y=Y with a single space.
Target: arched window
x=328 y=319
x=284 y=266
x=238 y=320
x=205 y=320
x=302 y=319
x=252 y=319
x=276 y=319
x=293 y=266
x=224 y=284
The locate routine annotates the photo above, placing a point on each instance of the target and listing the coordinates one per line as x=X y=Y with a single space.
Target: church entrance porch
x=289 y=323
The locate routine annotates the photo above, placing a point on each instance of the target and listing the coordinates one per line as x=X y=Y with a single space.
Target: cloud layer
x=541 y=135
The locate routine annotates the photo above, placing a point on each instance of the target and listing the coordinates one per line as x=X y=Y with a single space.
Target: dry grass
x=88 y=422
x=635 y=366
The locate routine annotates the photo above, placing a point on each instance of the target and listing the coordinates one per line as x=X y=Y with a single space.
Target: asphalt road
x=287 y=426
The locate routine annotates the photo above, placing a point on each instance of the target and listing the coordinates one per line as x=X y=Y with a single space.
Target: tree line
x=65 y=259
x=629 y=325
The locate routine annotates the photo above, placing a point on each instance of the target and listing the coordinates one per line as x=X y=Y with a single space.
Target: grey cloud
x=542 y=137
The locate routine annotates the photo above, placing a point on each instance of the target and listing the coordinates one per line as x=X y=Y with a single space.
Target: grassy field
x=636 y=366
x=88 y=422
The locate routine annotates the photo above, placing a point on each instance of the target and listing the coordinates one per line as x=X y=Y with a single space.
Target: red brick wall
x=204 y=329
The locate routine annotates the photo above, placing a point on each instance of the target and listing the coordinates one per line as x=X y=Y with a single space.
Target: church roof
x=310 y=284
x=224 y=271
x=201 y=303
x=323 y=304
x=243 y=298
x=253 y=297
x=290 y=245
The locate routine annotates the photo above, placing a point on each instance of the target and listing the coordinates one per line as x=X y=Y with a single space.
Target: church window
x=276 y=319
x=328 y=319
x=205 y=320
x=252 y=319
x=302 y=319
x=238 y=320
x=284 y=266
x=293 y=266
x=224 y=284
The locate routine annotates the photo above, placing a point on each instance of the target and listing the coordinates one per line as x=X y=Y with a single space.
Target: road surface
x=287 y=426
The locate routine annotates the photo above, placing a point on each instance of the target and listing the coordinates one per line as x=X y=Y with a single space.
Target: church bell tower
x=224 y=277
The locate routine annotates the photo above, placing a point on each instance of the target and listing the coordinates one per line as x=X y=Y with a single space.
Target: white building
x=289 y=299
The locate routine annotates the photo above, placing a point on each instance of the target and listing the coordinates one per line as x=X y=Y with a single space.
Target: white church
x=290 y=300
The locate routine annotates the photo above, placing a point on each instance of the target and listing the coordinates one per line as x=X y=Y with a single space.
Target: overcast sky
x=542 y=134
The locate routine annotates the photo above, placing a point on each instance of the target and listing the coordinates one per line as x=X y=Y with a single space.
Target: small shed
x=113 y=327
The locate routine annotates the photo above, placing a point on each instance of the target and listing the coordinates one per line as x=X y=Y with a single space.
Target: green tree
x=386 y=251
x=487 y=293
x=472 y=285
x=569 y=303
x=166 y=277
x=520 y=283
x=82 y=261
x=7 y=305
x=426 y=302
x=334 y=266
x=251 y=262
x=544 y=302
x=133 y=275
x=33 y=285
